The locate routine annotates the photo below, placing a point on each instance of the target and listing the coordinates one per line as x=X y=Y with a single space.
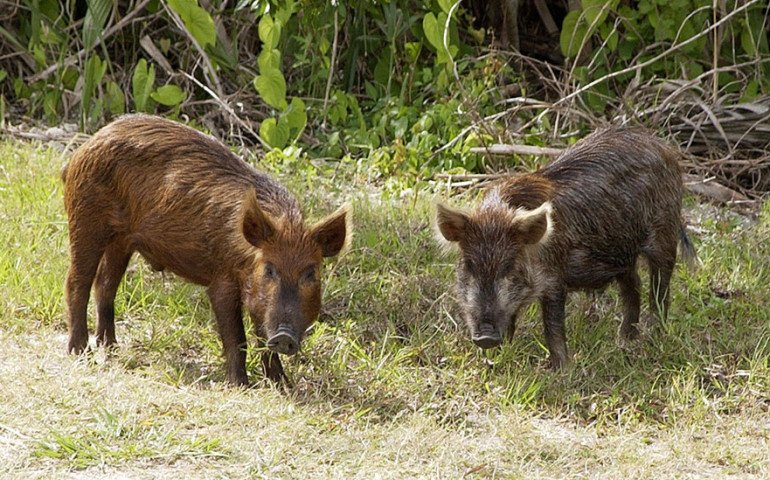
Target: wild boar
x=580 y=222
x=187 y=204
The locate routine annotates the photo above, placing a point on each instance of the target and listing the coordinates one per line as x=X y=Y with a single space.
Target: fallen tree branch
x=469 y=176
x=500 y=149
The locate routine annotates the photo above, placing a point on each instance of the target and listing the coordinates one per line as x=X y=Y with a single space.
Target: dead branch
x=500 y=149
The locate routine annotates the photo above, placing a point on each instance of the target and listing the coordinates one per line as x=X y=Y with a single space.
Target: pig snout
x=285 y=341
x=487 y=336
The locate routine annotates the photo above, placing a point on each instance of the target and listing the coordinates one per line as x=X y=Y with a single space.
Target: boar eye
x=309 y=275
x=270 y=271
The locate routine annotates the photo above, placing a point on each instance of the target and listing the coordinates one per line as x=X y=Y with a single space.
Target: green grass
x=388 y=384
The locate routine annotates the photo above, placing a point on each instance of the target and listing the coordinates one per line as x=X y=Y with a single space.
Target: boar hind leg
x=225 y=299
x=84 y=260
x=552 y=306
x=629 y=292
x=111 y=269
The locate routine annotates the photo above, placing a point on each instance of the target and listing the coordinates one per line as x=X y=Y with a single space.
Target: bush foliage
x=410 y=85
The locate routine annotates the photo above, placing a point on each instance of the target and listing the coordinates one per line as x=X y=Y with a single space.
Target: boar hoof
x=238 y=380
x=487 y=341
x=77 y=344
x=283 y=342
x=629 y=332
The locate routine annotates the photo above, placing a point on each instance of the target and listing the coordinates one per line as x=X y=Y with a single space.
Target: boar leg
x=552 y=305
x=225 y=297
x=111 y=269
x=629 y=292
x=84 y=260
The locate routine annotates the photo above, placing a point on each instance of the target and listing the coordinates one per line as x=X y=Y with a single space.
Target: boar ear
x=533 y=226
x=451 y=222
x=257 y=226
x=333 y=232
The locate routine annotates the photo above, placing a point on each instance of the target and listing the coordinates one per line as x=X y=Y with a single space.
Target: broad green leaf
x=116 y=100
x=296 y=117
x=596 y=10
x=433 y=27
x=412 y=50
x=753 y=39
x=169 y=95
x=609 y=34
x=627 y=49
x=142 y=83
x=269 y=32
x=382 y=71
x=94 y=72
x=275 y=135
x=93 y=23
x=431 y=30
x=728 y=82
x=50 y=36
x=271 y=86
x=38 y=53
x=747 y=42
x=201 y=26
x=324 y=45
x=283 y=126
x=269 y=59
x=283 y=14
x=446 y=5
x=3 y=74
x=51 y=102
x=573 y=34
x=70 y=77
x=694 y=69
x=751 y=92
x=97 y=111
x=196 y=20
x=20 y=88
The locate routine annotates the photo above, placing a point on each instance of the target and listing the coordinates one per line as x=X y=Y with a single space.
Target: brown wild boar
x=578 y=223
x=187 y=204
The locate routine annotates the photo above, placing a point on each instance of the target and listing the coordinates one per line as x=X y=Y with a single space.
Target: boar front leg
x=629 y=292
x=552 y=306
x=225 y=297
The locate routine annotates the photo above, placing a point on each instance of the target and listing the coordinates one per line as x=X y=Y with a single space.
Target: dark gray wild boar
x=578 y=223
x=187 y=204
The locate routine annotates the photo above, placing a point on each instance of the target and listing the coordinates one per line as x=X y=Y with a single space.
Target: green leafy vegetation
x=409 y=87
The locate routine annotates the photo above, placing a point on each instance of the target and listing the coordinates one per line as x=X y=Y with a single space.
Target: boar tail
x=688 y=250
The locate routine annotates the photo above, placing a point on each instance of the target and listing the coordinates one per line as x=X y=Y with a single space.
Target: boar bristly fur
x=188 y=205
x=580 y=222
